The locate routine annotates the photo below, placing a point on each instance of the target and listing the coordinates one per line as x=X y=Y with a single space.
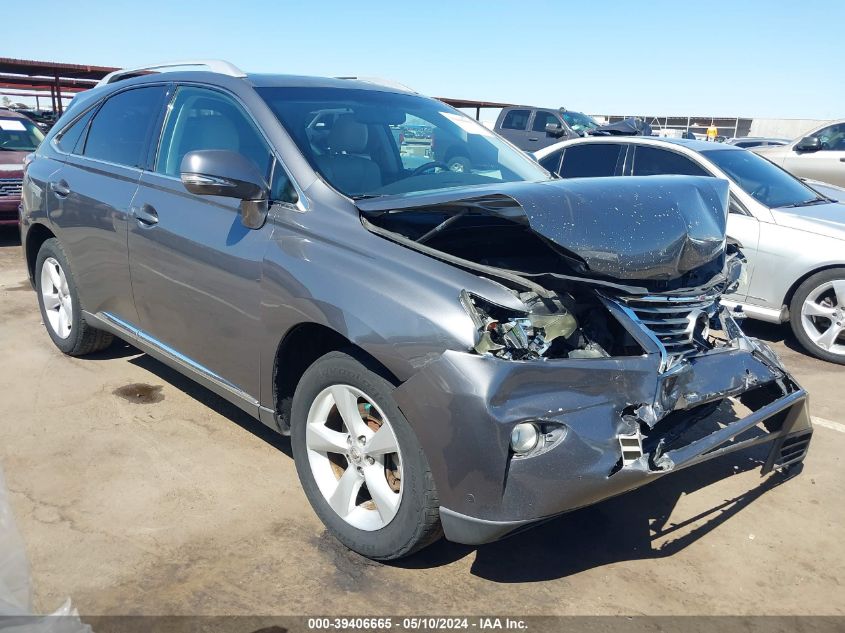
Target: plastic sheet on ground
x=16 y=615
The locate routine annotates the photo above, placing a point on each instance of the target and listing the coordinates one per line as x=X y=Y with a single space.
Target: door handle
x=842 y=160
x=60 y=189
x=146 y=215
x=533 y=138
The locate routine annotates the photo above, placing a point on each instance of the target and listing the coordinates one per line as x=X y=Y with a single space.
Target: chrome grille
x=10 y=186
x=674 y=321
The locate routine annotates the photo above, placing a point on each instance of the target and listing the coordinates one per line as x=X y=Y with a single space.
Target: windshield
x=369 y=143
x=19 y=135
x=765 y=182
x=579 y=121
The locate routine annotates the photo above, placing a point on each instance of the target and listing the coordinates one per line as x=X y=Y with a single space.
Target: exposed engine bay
x=599 y=264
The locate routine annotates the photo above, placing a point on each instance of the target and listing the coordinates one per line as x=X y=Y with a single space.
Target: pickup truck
x=531 y=128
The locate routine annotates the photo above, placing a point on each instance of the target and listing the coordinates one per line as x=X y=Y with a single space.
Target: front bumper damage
x=463 y=407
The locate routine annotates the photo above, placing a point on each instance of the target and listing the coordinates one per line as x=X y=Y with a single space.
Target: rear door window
x=516 y=120
x=590 y=160
x=654 y=161
x=121 y=129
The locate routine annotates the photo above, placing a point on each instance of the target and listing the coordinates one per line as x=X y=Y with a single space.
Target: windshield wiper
x=365 y=196
x=806 y=203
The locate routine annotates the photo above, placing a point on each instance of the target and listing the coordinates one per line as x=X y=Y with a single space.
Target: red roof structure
x=26 y=77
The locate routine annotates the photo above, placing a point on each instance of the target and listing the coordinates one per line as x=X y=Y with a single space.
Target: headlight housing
x=513 y=335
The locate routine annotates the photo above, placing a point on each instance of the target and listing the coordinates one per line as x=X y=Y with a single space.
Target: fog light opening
x=524 y=437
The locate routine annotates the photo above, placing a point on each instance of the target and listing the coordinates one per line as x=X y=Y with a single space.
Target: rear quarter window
x=69 y=139
x=551 y=162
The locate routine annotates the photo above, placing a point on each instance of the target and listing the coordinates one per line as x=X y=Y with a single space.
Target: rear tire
x=338 y=472
x=61 y=310
x=817 y=315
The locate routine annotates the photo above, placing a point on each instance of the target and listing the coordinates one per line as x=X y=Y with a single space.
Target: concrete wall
x=784 y=128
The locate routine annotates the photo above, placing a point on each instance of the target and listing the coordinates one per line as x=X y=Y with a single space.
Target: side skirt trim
x=769 y=315
x=178 y=361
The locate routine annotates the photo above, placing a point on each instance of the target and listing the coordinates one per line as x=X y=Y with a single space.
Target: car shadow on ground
x=632 y=526
x=210 y=400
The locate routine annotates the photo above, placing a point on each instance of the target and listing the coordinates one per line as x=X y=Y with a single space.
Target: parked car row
x=453 y=351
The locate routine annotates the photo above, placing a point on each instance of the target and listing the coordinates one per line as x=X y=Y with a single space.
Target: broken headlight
x=546 y=323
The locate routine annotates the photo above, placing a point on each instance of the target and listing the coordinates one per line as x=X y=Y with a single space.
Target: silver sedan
x=792 y=234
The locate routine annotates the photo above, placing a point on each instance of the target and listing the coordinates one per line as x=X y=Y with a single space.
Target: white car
x=792 y=235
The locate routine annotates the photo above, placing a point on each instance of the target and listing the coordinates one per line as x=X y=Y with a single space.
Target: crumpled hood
x=628 y=228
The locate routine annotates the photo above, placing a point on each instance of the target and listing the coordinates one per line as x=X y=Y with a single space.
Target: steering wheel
x=427 y=166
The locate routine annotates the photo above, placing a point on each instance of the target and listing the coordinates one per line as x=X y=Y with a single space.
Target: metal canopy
x=26 y=77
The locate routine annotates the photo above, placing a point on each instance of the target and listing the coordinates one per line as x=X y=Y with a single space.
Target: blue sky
x=718 y=58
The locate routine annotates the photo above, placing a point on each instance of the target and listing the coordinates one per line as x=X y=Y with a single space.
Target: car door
x=538 y=138
x=103 y=152
x=826 y=164
x=514 y=127
x=195 y=268
x=742 y=226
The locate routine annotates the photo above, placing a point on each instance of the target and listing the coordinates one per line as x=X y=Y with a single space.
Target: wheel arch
x=790 y=293
x=36 y=235
x=303 y=344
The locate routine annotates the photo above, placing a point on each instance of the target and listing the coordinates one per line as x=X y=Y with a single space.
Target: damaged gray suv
x=464 y=352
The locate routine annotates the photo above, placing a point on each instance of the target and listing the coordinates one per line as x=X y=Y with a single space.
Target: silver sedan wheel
x=58 y=306
x=823 y=316
x=354 y=457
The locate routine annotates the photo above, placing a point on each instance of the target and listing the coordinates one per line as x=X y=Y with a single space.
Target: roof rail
x=214 y=65
x=378 y=81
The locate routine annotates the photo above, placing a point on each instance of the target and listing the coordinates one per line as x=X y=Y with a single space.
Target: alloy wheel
x=55 y=294
x=823 y=316
x=354 y=457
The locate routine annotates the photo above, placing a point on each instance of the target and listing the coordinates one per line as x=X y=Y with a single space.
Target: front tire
x=61 y=310
x=817 y=315
x=359 y=461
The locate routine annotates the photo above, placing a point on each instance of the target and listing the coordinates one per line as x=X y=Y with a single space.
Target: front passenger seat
x=344 y=165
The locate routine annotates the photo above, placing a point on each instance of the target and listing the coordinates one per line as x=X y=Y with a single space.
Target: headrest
x=347 y=135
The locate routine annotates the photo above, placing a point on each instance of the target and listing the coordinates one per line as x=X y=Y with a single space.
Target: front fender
x=400 y=306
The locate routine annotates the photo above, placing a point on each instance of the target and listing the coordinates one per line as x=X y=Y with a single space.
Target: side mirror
x=219 y=172
x=808 y=144
x=554 y=129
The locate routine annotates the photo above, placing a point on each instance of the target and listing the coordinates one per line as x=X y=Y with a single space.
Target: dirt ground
x=139 y=492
